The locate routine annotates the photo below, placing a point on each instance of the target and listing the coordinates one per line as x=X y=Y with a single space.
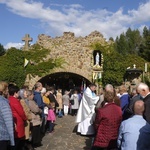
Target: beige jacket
x=36 y=111
x=29 y=118
x=59 y=100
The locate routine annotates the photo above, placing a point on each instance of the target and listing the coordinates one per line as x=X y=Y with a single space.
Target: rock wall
x=75 y=50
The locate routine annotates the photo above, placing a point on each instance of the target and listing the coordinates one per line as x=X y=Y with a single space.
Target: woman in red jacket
x=19 y=116
x=107 y=122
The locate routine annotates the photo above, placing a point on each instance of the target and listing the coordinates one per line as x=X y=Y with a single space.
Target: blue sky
x=53 y=17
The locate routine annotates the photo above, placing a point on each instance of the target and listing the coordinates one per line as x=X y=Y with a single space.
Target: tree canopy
x=2 y=50
x=13 y=70
x=132 y=42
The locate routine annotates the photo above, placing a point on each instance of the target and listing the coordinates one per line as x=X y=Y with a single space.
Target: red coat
x=107 y=123
x=18 y=116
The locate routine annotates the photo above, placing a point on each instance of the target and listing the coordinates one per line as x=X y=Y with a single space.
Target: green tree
x=144 y=48
x=12 y=64
x=2 y=50
x=128 y=42
x=121 y=44
x=111 y=39
x=134 y=40
x=146 y=32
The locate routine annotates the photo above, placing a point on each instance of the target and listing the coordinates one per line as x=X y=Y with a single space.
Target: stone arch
x=65 y=80
x=79 y=73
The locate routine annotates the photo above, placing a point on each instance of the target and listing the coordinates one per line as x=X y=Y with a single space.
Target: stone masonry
x=76 y=51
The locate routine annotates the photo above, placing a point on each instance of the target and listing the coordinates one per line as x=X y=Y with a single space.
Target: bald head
x=138 y=107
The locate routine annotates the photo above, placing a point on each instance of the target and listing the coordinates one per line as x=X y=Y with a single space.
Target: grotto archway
x=65 y=81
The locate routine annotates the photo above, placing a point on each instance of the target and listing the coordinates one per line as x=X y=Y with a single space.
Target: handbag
x=46 y=110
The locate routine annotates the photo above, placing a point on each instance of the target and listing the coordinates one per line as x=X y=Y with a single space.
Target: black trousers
x=74 y=112
x=43 y=126
x=4 y=145
x=36 y=135
x=98 y=148
x=19 y=144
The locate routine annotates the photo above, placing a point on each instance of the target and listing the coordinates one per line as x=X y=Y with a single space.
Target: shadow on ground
x=88 y=139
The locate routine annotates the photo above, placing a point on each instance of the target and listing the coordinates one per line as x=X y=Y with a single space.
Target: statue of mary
x=97 y=59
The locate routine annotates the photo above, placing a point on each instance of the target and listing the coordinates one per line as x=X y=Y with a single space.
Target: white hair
x=109 y=87
x=142 y=86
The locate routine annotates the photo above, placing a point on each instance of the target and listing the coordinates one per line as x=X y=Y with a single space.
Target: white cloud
x=76 y=19
x=16 y=45
x=142 y=14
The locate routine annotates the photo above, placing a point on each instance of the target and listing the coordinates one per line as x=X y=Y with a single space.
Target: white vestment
x=86 y=112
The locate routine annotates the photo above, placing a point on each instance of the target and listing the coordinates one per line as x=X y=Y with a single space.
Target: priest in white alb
x=86 y=111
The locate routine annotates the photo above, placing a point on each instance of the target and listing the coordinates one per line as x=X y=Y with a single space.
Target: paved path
x=65 y=137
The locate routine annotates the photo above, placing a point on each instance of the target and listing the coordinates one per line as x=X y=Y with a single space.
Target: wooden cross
x=27 y=39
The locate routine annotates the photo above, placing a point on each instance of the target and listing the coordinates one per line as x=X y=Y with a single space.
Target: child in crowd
x=51 y=118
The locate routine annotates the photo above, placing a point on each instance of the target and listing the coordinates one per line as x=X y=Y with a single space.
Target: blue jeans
x=51 y=126
x=60 y=113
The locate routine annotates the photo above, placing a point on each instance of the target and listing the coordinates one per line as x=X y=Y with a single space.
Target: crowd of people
x=27 y=115
x=115 y=118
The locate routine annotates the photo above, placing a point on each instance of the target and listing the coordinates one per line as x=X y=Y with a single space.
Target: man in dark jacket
x=143 y=141
x=143 y=90
x=38 y=99
x=37 y=95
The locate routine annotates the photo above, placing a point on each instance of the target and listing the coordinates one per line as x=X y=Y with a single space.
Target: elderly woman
x=6 y=119
x=107 y=122
x=25 y=104
x=36 y=120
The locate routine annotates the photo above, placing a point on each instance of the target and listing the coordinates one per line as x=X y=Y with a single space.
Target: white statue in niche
x=97 y=59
